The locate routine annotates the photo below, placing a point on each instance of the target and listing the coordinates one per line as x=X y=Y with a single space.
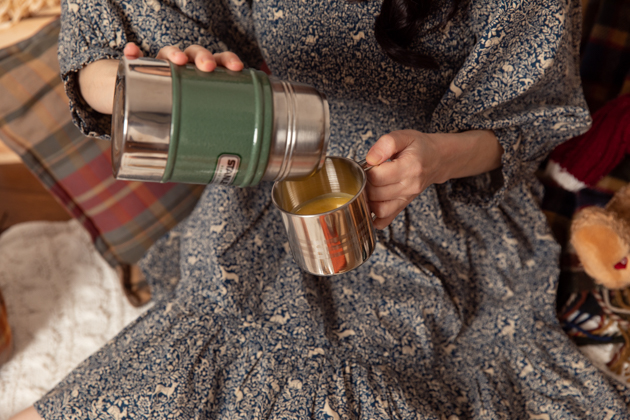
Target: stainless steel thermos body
x=178 y=124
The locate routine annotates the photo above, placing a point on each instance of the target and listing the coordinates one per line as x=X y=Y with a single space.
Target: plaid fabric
x=605 y=66
x=123 y=218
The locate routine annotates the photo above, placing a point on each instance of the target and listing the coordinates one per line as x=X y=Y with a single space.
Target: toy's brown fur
x=601 y=239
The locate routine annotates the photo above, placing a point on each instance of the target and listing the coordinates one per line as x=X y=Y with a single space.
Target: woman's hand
x=203 y=59
x=408 y=161
x=98 y=79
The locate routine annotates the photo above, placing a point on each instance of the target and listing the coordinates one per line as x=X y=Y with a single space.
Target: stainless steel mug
x=178 y=124
x=334 y=241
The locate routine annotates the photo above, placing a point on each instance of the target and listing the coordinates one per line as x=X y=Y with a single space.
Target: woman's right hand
x=97 y=80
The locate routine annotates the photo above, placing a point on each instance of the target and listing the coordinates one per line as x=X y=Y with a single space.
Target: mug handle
x=366 y=167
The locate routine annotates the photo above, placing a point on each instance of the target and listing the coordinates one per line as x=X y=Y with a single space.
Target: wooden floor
x=22 y=196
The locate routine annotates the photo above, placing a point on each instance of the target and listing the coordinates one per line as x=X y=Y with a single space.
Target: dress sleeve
x=93 y=30
x=522 y=81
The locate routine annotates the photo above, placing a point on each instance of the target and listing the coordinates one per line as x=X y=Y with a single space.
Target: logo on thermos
x=227 y=168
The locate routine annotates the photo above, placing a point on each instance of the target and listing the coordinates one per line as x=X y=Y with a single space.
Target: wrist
x=97 y=82
x=467 y=153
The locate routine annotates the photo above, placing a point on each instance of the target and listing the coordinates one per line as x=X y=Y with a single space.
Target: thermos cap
x=141 y=120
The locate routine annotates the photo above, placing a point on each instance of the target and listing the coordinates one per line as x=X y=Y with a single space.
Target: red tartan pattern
x=123 y=218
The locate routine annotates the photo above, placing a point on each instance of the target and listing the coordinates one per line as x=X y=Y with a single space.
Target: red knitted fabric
x=594 y=154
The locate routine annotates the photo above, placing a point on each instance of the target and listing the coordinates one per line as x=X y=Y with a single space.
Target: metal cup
x=336 y=241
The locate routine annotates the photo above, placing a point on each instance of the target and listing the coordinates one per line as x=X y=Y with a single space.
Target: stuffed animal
x=599 y=236
x=601 y=240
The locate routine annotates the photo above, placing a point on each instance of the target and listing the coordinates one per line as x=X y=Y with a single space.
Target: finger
x=387 y=192
x=173 y=54
x=387 y=147
x=229 y=60
x=386 y=211
x=132 y=51
x=388 y=173
x=203 y=59
x=383 y=223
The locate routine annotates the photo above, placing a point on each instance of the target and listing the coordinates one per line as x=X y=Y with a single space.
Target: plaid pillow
x=123 y=218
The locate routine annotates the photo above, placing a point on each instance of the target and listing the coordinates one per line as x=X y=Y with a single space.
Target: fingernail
x=206 y=64
x=374 y=158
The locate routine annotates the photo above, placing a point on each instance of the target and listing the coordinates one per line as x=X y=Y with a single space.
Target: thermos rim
x=347 y=204
x=141 y=119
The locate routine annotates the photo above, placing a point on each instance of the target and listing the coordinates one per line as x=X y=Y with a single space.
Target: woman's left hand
x=408 y=161
x=405 y=163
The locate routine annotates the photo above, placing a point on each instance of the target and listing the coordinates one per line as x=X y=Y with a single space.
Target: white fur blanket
x=63 y=302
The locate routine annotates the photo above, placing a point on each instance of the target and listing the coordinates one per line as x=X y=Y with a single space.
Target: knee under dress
x=453 y=316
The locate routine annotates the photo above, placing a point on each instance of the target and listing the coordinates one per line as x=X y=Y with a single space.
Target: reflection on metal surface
x=300 y=131
x=337 y=241
x=141 y=119
x=153 y=70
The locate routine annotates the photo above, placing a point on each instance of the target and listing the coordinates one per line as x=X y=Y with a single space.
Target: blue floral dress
x=454 y=314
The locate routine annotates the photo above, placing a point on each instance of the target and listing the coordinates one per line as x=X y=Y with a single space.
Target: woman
x=453 y=315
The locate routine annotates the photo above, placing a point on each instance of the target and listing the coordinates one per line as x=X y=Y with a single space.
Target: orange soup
x=323 y=203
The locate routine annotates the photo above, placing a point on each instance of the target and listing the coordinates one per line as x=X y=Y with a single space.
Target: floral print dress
x=453 y=316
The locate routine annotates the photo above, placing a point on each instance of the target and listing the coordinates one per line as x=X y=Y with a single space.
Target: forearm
x=96 y=82
x=467 y=153
x=409 y=161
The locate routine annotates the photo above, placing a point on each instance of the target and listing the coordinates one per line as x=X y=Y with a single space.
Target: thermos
x=175 y=123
